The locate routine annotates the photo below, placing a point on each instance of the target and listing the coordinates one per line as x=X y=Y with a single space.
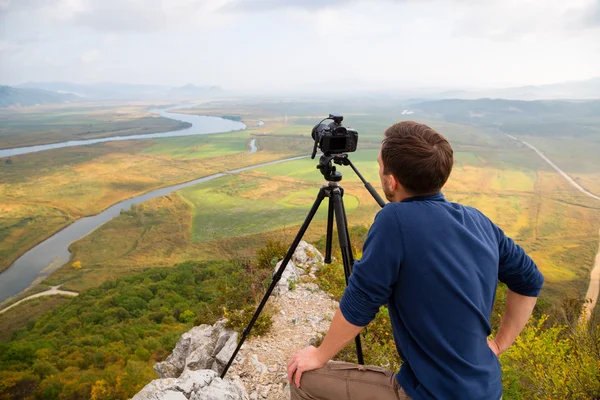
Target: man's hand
x=307 y=359
x=494 y=346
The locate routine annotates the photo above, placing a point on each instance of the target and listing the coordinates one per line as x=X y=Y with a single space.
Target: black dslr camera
x=333 y=138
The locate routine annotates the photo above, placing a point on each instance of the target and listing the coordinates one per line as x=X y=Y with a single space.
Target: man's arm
x=524 y=282
x=517 y=313
x=340 y=333
x=369 y=287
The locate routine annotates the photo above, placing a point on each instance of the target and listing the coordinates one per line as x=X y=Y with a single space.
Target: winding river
x=201 y=125
x=40 y=261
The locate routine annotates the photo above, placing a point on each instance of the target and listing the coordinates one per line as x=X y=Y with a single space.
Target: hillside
x=10 y=96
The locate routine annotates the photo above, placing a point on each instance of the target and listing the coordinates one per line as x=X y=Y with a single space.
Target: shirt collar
x=432 y=197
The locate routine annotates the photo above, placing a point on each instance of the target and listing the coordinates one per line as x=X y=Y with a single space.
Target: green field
x=231 y=216
x=28 y=126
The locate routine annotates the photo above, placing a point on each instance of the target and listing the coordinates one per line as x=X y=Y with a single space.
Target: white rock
x=260 y=367
x=156 y=386
x=198 y=337
x=307 y=256
x=228 y=349
x=220 y=390
x=290 y=273
x=193 y=381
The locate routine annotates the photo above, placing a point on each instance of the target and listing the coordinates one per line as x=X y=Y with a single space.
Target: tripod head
x=328 y=169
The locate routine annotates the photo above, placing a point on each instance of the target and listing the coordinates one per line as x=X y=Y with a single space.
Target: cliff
x=302 y=310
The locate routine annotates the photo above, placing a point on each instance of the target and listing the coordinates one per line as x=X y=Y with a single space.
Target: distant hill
x=10 y=96
x=549 y=116
x=584 y=89
x=196 y=91
x=489 y=108
x=105 y=90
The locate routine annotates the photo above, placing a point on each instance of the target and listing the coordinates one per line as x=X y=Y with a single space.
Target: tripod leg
x=329 y=236
x=350 y=251
x=278 y=273
x=340 y=218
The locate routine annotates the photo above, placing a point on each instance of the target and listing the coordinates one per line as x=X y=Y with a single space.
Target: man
x=436 y=264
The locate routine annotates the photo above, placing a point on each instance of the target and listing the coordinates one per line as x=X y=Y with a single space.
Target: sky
x=301 y=44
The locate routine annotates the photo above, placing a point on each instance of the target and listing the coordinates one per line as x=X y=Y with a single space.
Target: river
x=37 y=263
x=33 y=266
x=201 y=125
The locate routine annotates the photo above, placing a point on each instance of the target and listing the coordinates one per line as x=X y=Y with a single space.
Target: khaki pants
x=340 y=380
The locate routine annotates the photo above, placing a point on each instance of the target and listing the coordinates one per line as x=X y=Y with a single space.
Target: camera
x=333 y=138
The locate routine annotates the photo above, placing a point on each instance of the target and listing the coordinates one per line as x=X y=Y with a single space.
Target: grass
x=22 y=225
x=40 y=193
x=28 y=126
x=230 y=217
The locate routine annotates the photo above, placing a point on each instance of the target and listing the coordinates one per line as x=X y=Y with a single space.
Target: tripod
x=336 y=209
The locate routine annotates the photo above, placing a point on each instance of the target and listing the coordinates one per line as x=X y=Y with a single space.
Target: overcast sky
x=276 y=44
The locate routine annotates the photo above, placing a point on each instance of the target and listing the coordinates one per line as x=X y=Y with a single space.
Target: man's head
x=415 y=160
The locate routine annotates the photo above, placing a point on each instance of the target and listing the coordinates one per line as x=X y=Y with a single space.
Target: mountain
x=10 y=96
x=125 y=91
x=552 y=117
x=191 y=90
x=584 y=89
x=105 y=90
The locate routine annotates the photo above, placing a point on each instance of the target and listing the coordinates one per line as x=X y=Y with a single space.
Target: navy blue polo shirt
x=437 y=264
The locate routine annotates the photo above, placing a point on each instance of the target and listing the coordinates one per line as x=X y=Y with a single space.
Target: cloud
x=515 y=19
x=590 y=16
x=90 y=56
x=267 y=5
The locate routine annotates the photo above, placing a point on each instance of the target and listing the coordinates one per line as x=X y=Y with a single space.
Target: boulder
x=196 y=340
x=193 y=385
x=308 y=257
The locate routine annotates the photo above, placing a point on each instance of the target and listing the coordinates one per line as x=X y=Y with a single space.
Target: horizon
x=290 y=46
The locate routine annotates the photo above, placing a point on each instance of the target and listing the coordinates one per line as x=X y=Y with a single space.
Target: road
x=50 y=292
x=594 y=287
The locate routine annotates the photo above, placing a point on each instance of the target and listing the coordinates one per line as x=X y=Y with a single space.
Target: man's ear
x=393 y=183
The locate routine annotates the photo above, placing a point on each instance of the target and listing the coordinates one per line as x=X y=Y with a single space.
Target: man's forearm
x=517 y=313
x=340 y=333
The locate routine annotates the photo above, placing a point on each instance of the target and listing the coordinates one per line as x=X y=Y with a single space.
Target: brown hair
x=419 y=157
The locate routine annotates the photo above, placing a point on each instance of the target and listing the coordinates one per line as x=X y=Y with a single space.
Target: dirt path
x=594 y=287
x=50 y=292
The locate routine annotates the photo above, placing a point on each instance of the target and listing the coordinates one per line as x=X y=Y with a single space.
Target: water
x=201 y=125
x=51 y=254
x=253 y=148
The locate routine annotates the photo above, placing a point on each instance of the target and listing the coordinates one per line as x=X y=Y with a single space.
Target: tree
x=77 y=265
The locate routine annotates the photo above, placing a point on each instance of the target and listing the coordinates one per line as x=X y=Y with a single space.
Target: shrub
x=268 y=256
x=240 y=319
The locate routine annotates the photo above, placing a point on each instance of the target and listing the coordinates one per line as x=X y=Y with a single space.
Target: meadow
x=29 y=126
x=139 y=311
x=228 y=217
x=41 y=193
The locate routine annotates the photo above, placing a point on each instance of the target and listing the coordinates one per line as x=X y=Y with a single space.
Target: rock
x=200 y=358
x=254 y=395
x=192 y=381
x=151 y=390
x=223 y=338
x=228 y=349
x=220 y=390
x=260 y=367
x=308 y=256
x=263 y=391
x=289 y=274
x=198 y=337
x=193 y=385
